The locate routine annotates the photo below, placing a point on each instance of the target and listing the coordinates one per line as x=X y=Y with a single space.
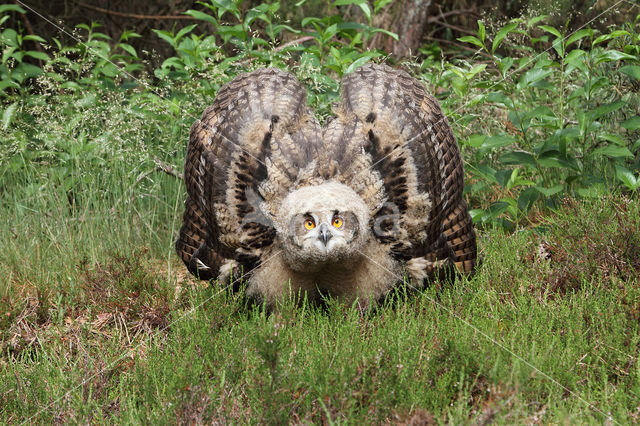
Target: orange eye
x=337 y=222
x=309 y=224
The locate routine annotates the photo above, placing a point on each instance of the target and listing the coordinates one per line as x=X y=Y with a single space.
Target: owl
x=348 y=210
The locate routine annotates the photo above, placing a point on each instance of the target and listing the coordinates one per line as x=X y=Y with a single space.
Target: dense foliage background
x=98 y=319
x=540 y=111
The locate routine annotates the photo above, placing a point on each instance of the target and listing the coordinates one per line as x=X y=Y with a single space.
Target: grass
x=101 y=324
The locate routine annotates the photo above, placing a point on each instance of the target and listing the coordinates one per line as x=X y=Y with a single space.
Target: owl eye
x=309 y=224
x=337 y=222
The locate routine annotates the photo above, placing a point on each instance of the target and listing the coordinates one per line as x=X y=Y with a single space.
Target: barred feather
x=389 y=142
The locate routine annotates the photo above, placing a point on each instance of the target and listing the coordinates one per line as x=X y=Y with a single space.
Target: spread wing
x=414 y=174
x=247 y=149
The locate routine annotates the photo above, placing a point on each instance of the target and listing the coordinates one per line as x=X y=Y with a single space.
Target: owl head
x=322 y=224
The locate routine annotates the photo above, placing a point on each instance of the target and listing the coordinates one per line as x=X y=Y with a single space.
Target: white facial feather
x=328 y=196
x=305 y=249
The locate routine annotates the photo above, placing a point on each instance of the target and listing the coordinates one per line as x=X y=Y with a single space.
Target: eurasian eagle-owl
x=345 y=209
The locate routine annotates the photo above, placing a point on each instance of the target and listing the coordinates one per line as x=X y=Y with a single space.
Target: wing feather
x=415 y=157
x=245 y=150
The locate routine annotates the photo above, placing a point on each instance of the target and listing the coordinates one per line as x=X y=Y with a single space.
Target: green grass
x=101 y=324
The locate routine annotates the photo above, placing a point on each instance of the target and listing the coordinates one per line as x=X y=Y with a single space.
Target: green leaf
x=632 y=71
x=504 y=31
x=481 y=30
x=310 y=20
x=475 y=70
x=28 y=70
x=110 y=70
x=527 y=198
x=625 y=176
x=532 y=76
x=558 y=46
x=12 y=8
x=8 y=83
x=34 y=37
x=631 y=124
x=389 y=33
x=203 y=17
x=486 y=173
x=10 y=37
x=252 y=15
x=593 y=191
x=347 y=2
x=613 y=151
x=518 y=158
x=173 y=62
x=613 y=138
x=607 y=109
x=497 y=141
x=166 y=36
x=575 y=59
x=379 y=4
x=330 y=32
x=500 y=98
x=38 y=55
x=357 y=63
x=184 y=31
x=8 y=114
x=613 y=55
x=548 y=192
x=505 y=64
x=551 y=30
x=476 y=140
x=574 y=55
x=614 y=34
x=129 y=49
x=552 y=159
x=366 y=10
x=536 y=19
x=472 y=40
x=578 y=35
x=351 y=26
x=503 y=177
x=540 y=112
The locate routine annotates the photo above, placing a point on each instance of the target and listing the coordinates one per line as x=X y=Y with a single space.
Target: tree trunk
x=408 y=19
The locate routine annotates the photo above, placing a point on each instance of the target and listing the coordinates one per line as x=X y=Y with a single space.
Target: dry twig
x=162 y=167
x=135 y=15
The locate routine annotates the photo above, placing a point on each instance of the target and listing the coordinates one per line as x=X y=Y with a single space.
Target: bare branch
x=293 y=43
x=448 y=25
x=162 y=167
x=135 y=15
x=280 y=48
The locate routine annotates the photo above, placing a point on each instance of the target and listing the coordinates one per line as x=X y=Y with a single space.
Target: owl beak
x=324 y=235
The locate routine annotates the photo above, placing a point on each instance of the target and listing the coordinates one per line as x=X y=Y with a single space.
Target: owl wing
x=411 y=172
x=245 y=151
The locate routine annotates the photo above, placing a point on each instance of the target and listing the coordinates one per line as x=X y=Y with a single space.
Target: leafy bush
x=555 y=122
x=14 y=70
x=540 y=114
